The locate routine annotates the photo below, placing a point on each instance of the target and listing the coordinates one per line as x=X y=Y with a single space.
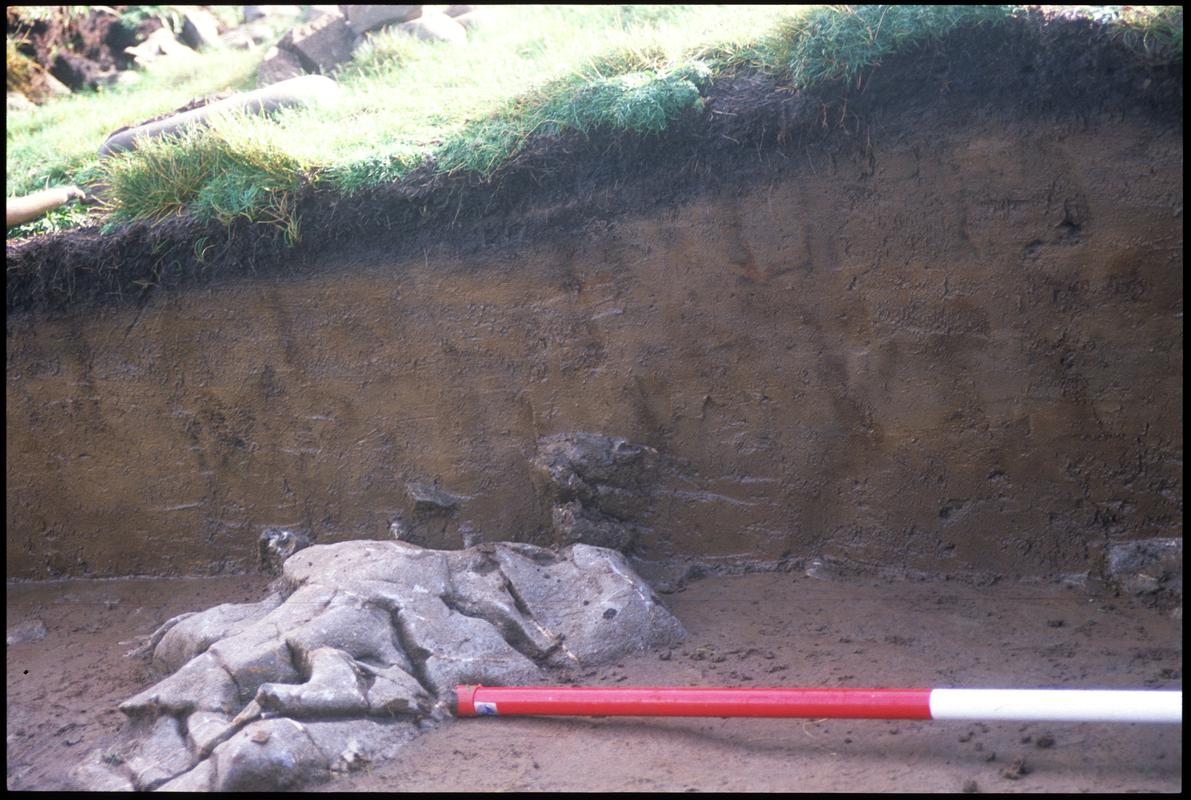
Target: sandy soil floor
x=775 y=629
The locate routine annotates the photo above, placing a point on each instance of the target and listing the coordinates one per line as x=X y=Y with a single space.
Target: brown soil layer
x=775 y=629
x=933 y=321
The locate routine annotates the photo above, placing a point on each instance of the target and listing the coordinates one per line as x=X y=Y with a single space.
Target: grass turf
x=534 y=71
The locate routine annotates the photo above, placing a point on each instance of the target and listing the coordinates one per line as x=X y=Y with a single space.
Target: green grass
x=58 y=143
x=406 y=103
x=1152 y=31
x=231 y=170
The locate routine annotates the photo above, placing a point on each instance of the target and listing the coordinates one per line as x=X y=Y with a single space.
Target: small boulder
x=18 y=102
x=362 y=19
x=474 y=20
x=102 y=771
x=185 y=636
x=320 y=11
x=53 y=87
x=159 y=44
x=80 y=72
x=199 y=779
x=253 y=13
x=25 y=632
x=279 y=65
x=604 y=473
x=322 y=44
x=275 y=545
x=246 y=36
x=206 y=730
x=435 y=27
x=334 y=688
x=127 y=77
x=269 y=755
x=394 y=691
x=163 y=755
x=429 y=499
x=573 y=524
x=1148 y=566
x=352 y=744
x=459 y=10
x=200 y=29
x=27 y=77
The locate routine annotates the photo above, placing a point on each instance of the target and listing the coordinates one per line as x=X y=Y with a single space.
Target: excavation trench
x=927 y=325
x=965 y=356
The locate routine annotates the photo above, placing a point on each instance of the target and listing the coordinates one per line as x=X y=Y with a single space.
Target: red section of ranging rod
x=474 y=701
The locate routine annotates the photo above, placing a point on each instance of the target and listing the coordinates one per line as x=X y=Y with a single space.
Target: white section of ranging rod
x=1057 y=705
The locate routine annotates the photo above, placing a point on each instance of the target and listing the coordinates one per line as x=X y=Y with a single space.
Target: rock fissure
x=417 y=655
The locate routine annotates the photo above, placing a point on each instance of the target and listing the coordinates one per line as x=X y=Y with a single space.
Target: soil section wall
x=960 y=352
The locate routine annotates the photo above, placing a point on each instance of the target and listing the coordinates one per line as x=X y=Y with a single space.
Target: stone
x=162 y=756
x=127 y=77
x=320 y=11
x=362 y=19
x=609 y=612
x=278 y=65
x=322 y=44
x=427 y=498
x=364 y=631
x=480 y=589
x=80 y=72
x=205 y=730
x=149 y=644
x=430 y=515
x=359 y=642
x=201 y=684
x=159 y=44
x=435 y=27
x=198 y=779
x=18 y=102
x=200 y=29
x=39 y=86
x=595 y=458
x=257 y=654
x=184 y=637
x=275 y=545
x=246 y=36
x=462 y=649
x=458 y=10
x=475 y=20
x=398 y=528
x=102 y=771
x=597 y=484
x=395 y=692
x=253 y=13
x=333 y=688
x=251 y=761
x=1148 y=566
x=54 y=87
x=32 y=630
x=403 y=567
x=572 y=523
x=606 y=473
x=352 y=744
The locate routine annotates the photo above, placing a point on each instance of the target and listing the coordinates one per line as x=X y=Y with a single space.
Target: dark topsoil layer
x=750 y=127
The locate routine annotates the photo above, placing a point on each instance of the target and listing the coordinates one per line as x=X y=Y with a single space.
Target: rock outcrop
x=360 y=644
